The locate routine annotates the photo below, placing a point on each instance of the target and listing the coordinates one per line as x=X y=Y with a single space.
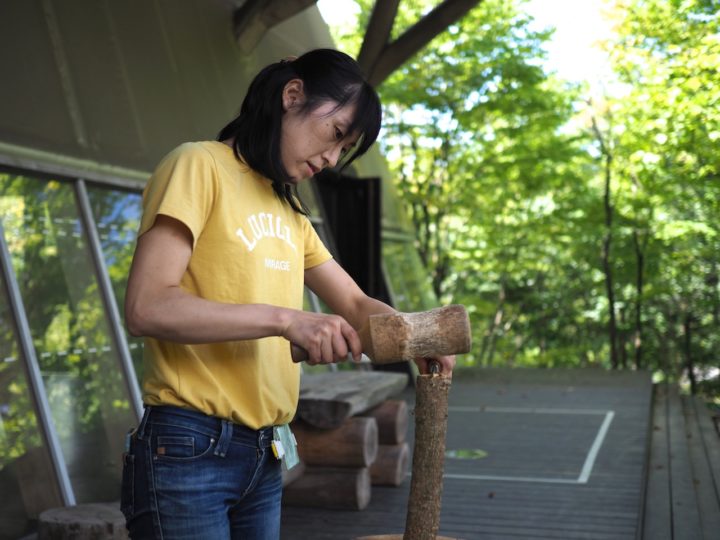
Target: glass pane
x=410 y=285
x=27 y=481
x=80 y=368
x=117 y=216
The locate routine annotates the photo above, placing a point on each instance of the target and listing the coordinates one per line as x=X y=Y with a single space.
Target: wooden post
x=353 y=444
x=328 y=399
x=431 y=410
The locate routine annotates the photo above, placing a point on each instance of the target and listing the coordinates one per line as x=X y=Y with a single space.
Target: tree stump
x=96 y=521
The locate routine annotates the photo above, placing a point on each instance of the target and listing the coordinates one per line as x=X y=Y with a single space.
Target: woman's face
x=314 y=140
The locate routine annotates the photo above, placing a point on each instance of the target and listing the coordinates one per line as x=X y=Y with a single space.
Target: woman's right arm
x=156 y=306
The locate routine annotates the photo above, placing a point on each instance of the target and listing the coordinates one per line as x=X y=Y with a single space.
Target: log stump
x=339 y=488
x=392 y=419
x=390 y=465
x=353 y=444
x=96 y=521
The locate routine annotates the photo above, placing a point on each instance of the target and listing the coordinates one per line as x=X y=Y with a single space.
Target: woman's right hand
x=326 y=338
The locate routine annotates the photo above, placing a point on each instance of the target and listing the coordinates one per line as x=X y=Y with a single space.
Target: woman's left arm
x=344 y=297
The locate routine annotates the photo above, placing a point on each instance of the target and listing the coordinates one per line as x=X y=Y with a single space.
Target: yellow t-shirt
x=249 y=246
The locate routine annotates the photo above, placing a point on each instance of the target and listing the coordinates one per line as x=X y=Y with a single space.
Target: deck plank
x=685 y=513
x=657 y=519
x=711 y=441
x=702 y=478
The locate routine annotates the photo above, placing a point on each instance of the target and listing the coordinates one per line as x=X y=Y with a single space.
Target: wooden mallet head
x=392 y=337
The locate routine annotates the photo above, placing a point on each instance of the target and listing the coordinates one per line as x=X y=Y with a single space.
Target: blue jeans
x=192 y=476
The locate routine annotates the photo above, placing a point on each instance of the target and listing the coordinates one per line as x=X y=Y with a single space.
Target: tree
x=665 y=160
x=474 y=140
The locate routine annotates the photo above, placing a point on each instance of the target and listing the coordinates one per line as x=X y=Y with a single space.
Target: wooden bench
x=328 y=399
x=683 y=474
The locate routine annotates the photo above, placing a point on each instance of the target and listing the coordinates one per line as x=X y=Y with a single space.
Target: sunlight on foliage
x=578 y=229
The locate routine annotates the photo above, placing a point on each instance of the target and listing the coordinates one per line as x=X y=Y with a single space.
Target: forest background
x=578 y=230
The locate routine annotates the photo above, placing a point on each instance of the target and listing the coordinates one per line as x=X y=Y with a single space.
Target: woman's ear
x=293 y=94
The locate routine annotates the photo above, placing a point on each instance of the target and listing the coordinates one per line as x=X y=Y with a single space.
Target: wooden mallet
x=394 y=337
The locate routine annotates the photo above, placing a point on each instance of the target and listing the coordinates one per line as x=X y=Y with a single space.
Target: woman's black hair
x=327 y=75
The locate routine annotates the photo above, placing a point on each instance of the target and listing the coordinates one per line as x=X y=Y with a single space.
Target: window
x=117 y=217
x=27 y=485
x=79 y=364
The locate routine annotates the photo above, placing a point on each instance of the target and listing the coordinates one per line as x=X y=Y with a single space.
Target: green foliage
x=664 y=130
x=504 y=179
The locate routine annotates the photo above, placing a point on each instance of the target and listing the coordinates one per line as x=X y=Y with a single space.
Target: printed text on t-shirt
x=265 y=225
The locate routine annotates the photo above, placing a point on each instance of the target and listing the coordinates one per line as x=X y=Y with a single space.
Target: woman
x=216 y=287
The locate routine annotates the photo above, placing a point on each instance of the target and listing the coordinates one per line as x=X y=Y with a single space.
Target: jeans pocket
x=173 y=443
x=175 y=447
x=127 y=491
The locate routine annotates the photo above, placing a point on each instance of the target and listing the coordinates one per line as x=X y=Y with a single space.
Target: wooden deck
x=683 y=480
x=565 y=458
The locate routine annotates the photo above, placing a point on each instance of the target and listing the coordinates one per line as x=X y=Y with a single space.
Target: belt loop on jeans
x=143 y=422
x=225 y=437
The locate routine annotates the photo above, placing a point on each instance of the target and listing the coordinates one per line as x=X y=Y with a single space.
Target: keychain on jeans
x=284 y=446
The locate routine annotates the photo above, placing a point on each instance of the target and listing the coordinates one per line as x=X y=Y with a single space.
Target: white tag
x=278 y=450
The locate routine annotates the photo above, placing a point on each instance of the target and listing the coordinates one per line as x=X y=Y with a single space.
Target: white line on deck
x=589 y=459
x=510 y=478
x=595 y=448
x=530 y=410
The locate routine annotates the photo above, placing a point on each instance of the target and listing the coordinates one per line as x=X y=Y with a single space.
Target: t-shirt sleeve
x=184 y=187
x=315 y=251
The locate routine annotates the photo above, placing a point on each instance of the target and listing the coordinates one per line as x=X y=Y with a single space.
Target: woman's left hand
x=446 y=363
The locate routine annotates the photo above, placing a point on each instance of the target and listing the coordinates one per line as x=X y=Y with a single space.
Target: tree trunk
x=380 y=57
x=622 y=339
x=606 y=152
x=488 y=342
x=607 y=267
x=712 y=282
x=639 y=284
x=687 y=349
